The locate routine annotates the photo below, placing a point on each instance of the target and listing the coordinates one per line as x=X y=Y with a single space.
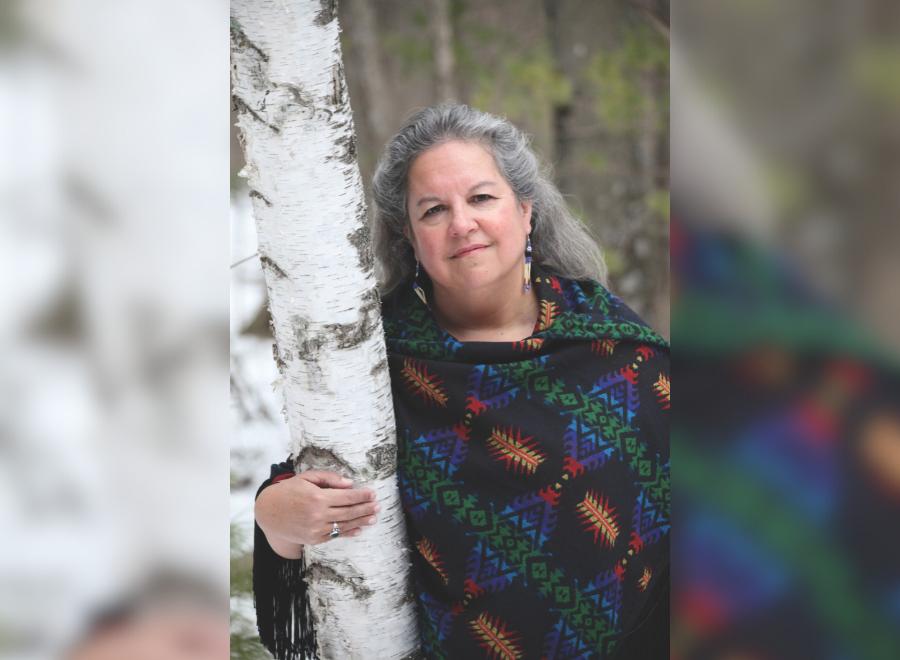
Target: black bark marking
x=240 y=105
x=327 y=12
x=338 y=84
x=279 y=362
x=272 y=266
x=383 y=459
x=319 y=572
x=360 y=239
x=319 y=458
x=240 y=39
x=309 y=344
x=380 y=367
x=301 y=96
x=418 y=654
x=349 y=335
x=347 y=149
x=259 y=195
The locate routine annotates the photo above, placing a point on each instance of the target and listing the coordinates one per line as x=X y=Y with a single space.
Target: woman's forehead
x=455 y=163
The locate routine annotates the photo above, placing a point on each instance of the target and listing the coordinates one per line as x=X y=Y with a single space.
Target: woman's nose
x=462 y=221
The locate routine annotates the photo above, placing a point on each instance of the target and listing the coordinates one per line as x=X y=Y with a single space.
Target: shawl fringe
x=283 y=615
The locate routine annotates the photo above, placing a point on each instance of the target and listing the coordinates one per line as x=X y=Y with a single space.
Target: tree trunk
x=562 y=110
x=299 y=145
x=444 y=59
x=372 y=79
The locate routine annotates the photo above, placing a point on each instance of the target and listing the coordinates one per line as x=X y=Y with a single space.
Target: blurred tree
x=444 y=59
x=296 y=128
x=367 y=56
x=561 y=103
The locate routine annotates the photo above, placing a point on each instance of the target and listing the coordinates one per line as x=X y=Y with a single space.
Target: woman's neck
x=502 y=313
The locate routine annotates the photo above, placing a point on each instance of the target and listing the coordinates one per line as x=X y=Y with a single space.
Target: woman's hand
x=300 y=511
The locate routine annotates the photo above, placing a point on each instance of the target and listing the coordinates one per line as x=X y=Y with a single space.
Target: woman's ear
x=526 y=214
x=407 y=232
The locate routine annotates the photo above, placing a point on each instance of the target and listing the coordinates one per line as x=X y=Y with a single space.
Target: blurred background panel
x=786 y=329
x=113 y=341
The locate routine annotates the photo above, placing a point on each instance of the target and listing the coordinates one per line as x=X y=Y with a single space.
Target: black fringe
x=283 y=616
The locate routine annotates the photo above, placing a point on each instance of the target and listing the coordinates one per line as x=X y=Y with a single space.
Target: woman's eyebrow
x=431 y=198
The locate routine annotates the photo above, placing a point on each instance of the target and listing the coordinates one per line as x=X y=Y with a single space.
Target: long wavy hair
x=560 y=242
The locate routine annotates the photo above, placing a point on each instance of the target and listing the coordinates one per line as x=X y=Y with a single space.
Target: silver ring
x=335 y=530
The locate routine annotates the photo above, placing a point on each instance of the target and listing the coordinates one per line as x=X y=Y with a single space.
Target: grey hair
x=560 y=242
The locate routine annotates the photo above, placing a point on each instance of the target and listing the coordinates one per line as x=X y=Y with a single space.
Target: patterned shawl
x=535 y=479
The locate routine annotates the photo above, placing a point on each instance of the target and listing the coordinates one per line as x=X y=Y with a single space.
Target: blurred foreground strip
x=785 y=330
x=787 y=455
x=113 y=340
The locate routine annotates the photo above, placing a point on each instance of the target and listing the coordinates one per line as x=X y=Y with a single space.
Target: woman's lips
x=469 y=250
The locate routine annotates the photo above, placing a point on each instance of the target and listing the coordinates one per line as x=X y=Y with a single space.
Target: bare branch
x=658 y=22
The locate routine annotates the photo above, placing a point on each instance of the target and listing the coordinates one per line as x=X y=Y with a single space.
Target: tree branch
x=658 y=22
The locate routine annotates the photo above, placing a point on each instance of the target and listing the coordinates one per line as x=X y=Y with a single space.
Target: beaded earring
x=527 y=284
x=418 y=287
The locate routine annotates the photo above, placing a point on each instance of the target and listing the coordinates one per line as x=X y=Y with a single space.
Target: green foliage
x=616 y=74
x=523 y=86
x=241 y=562
x=415 y=53
x=876 y=69
x=245 y=644
x=242 y=574
x=658 y=203
x=789 y=187
x=598 y=162
x=420 y=19
x=615 y=261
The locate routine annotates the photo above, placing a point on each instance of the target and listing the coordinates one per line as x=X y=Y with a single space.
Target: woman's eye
x=483 y=197
x=434 y=210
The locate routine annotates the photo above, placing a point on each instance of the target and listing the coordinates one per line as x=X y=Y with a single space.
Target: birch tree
x=299 y=145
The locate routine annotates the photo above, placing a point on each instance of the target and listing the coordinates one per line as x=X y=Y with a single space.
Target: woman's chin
x=477 y=280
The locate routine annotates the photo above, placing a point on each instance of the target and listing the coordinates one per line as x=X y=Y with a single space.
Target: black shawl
x=534 y=477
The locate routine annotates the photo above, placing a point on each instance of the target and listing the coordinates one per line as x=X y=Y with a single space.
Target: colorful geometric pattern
x=518 y=453
x=494 y=637
x=424 y=384
x=535 y=475
x=599 y=518
x=663 y=391
x=430 y=554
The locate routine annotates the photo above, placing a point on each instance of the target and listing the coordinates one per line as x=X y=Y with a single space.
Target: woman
x=530 y=405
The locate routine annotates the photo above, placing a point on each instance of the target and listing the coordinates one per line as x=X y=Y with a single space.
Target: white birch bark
x=308 y=201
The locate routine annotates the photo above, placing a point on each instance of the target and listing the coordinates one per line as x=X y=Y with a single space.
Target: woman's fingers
x=345 y=513
x=325 y=479
x=350 y=496
x=351 y=528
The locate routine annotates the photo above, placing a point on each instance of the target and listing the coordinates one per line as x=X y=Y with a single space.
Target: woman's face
x=467 y=228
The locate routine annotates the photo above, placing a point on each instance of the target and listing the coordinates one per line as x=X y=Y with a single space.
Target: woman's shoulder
x=588 y=309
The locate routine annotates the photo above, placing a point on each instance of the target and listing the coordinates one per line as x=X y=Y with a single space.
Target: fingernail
x=377 y=508
x=345 y=480
x=371 y=521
